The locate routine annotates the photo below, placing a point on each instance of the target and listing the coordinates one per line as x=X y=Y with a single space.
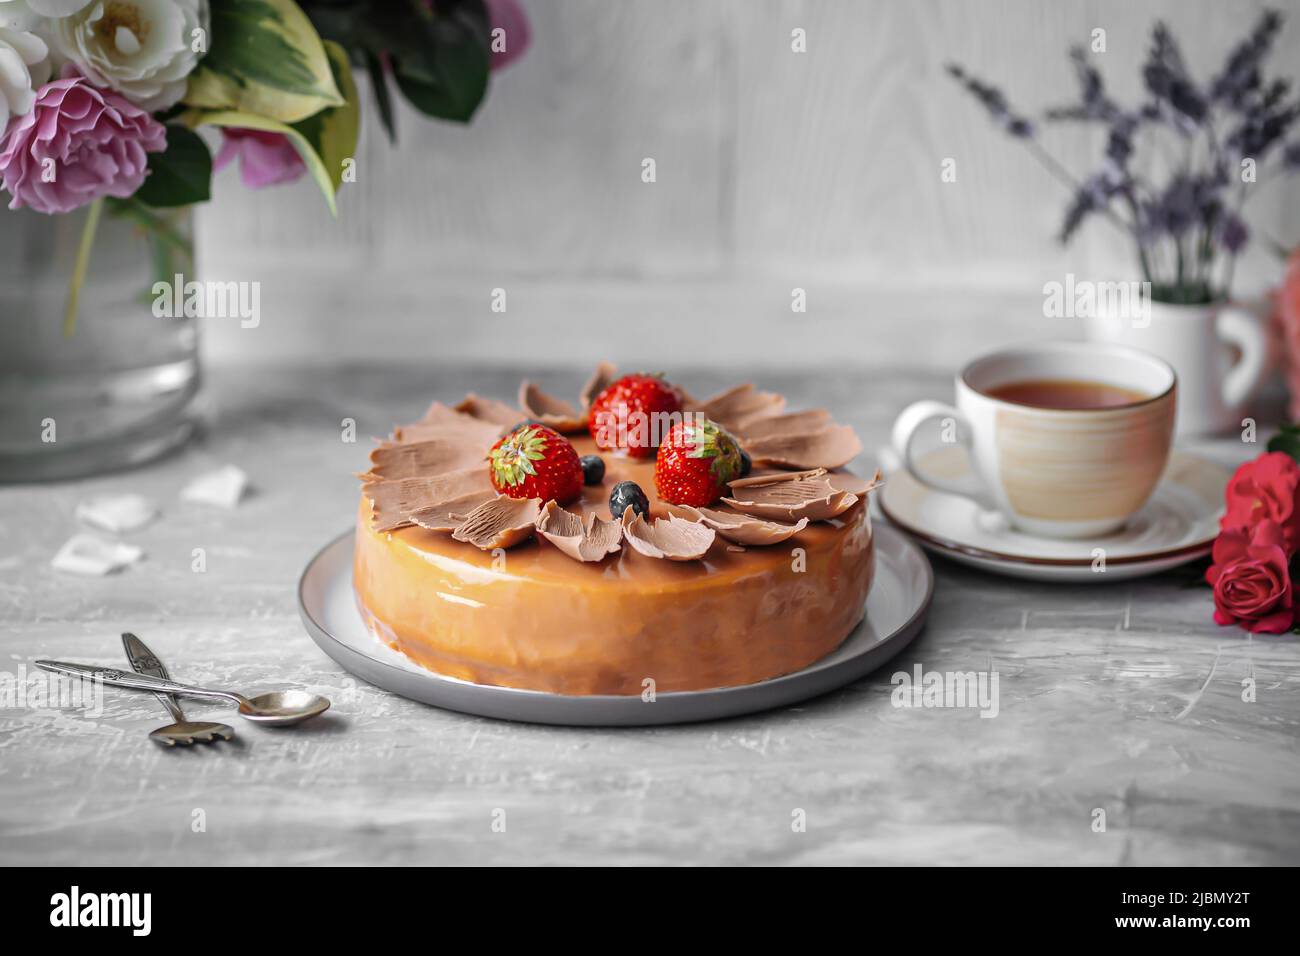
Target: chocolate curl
x=592 y=542
x=739 y=528
x=790 y=496
x=671 y=538
x=502 y=522
x=550 y=411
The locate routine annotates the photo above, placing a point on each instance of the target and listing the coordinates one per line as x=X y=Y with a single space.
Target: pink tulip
x=265 y=159
x=517 y=33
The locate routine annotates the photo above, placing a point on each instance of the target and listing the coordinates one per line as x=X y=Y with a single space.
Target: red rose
x=1252 y=583
x=1265 y=490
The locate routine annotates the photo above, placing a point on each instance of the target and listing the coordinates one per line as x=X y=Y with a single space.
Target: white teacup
x=1054 y=472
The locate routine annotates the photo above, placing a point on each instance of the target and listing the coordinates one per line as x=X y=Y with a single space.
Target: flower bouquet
x=1176 y=167
x=102 y=102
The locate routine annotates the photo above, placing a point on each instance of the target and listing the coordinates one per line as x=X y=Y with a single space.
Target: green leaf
x=446 y=74
x=315 y=165
x=265 y=58
x=179 y=175
x=333 y=132
x=439 y=52
x=249 y=43
x=1287 y=441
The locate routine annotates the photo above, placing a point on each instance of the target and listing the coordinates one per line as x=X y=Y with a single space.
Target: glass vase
x=109 y=386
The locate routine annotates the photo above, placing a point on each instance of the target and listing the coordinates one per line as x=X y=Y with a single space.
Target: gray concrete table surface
x=1123 y=697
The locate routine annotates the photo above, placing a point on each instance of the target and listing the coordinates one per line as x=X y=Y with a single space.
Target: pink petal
x=509 y=16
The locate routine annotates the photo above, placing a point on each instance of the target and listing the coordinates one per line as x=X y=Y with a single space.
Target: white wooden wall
x=775 y=170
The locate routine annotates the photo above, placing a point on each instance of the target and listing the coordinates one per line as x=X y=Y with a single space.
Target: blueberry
x=628 y=494
x=746 y=463
x=593 y=469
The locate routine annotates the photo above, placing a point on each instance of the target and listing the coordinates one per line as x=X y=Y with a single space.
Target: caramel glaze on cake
x=533 y=617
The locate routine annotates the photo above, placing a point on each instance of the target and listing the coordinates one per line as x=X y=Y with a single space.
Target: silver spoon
x=276 y=708
x=183 y=732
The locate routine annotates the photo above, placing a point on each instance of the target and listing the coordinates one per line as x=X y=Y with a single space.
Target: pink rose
x=509 y=17
x=265 y=159
x=1251 y=579
x=1265 y=489
x=1286 y=314
x=78 y=143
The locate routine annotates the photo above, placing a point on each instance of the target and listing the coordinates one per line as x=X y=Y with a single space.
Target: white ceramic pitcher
x=1219 y=351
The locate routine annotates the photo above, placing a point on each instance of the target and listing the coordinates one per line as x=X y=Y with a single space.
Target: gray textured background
x=775 y=170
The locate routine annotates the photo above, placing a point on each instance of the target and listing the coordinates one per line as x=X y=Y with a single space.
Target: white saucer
x=896 y=607
x=1177 y=525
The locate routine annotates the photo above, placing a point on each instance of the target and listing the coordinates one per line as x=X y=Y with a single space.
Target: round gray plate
x=896 y=608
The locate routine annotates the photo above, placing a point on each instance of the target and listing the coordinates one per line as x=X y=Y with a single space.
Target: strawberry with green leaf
x=696 y=462
x=534 y=461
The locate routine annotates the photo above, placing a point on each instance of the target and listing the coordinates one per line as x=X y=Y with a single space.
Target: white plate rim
x=599 y=710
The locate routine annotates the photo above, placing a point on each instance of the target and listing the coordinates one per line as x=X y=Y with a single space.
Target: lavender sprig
x=1261 y=127
x=994 y=102
x=1093 y=103
x=1233 y=233
x=1241 y=74
x=1188 y=230
x=1175 y=96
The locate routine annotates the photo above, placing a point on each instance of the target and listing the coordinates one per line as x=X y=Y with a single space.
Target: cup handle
x=905 y=428
x=1237 y=326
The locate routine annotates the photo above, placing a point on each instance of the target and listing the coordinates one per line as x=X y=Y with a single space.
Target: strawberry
x=533 y=461
x=631 y=414
x=695 y=463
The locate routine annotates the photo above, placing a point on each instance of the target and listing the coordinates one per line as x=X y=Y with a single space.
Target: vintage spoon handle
x=117 y=678
x=145 y=661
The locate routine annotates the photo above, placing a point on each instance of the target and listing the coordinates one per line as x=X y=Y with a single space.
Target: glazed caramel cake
x=543 y=587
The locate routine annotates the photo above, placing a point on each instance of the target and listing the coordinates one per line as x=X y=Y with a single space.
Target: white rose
x=143 y=49
x=24 y=14
x=17 y=15
x=24 y=65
